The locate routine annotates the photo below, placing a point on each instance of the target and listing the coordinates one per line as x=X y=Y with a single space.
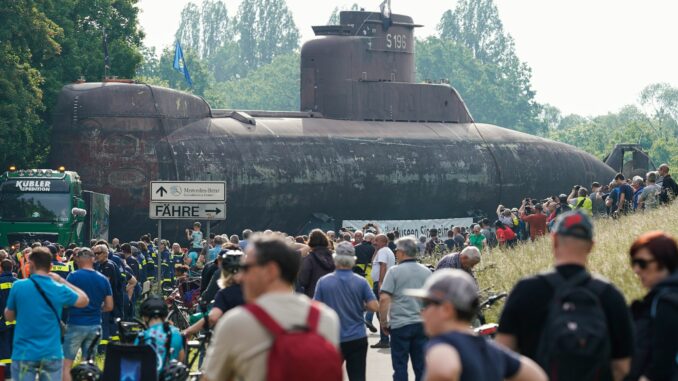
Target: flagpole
x=107 y=64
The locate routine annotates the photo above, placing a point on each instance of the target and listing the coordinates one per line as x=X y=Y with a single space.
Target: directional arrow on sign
x=215 y=210
x=161 y=191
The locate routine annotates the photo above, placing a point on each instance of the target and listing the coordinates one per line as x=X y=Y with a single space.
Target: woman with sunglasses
x=654 y=259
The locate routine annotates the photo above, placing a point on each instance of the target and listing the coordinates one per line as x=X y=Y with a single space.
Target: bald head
x=380 y=240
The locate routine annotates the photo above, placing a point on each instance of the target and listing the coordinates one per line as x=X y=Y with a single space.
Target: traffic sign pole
x=159 y=258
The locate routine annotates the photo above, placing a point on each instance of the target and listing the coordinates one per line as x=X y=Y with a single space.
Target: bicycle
x=485 y=329
x=199 y=346
x=178 y=313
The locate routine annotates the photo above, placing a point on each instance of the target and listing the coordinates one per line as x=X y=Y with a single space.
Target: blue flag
x=180 y=64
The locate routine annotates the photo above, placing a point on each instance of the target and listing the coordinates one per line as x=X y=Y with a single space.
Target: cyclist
x=154 y=312
x=230 y=294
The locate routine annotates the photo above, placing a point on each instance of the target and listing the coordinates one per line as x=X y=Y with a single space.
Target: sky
x=587 y=57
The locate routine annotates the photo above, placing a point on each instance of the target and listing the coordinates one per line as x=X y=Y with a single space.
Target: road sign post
x=188 y=200
x=159 y=255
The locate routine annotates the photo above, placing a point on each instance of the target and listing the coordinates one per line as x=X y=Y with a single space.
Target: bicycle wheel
x=177 y=318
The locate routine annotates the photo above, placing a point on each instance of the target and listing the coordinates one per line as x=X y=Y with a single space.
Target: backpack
x=667 y=295
x=299 y=354
x=575 y=343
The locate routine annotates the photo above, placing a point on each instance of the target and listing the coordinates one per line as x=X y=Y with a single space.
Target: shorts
x=79 y=337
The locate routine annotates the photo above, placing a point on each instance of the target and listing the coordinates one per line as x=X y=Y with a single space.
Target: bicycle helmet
x=230 y=260
x=174 y=371
x=86 y=371
x=154 y=306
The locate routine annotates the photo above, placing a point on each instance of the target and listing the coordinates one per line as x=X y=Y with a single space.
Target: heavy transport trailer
x=369 y=143
x=50 y=205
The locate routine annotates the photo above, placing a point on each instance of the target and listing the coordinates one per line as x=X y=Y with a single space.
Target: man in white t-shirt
x=240 y=345
x=383 y=260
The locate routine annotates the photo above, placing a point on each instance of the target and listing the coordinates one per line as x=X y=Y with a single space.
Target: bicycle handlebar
x=493 y=299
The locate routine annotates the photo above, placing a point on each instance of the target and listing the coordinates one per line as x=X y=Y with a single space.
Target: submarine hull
x=281 y=168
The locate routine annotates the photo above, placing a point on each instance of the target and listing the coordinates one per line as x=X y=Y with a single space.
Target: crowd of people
x=285 y=307
x=534 y=218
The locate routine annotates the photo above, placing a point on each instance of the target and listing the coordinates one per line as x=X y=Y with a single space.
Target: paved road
x=379 y=361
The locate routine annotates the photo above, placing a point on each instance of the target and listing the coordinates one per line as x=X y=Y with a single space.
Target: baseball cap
x=574 y=224
x=449 y=285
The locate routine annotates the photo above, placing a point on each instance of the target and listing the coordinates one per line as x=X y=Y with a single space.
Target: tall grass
x=500 y=269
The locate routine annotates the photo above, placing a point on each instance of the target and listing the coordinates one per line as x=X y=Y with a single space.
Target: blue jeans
x=46 y=370
x=80 y=337
x=408 y=341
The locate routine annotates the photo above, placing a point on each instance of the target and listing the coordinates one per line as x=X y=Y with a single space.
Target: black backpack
x=575 y=343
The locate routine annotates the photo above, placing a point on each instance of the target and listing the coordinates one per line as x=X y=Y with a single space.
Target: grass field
x=500 y=269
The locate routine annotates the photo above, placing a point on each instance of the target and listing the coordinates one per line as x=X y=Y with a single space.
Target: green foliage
x=27 y=37
x=197 y=68
x=490 y=97
x=503 y=95
x=656 y=134
x=206 y=29
x=45 y=44
x=265 y=29
x=270 y=87
x=248 y=62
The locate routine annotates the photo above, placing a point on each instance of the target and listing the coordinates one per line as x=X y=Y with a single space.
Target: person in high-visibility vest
x=7 y=279
x=24 y=270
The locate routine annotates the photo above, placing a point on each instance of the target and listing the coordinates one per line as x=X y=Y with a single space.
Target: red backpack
x=299 y=354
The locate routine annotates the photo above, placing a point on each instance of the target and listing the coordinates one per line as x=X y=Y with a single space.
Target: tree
x=475 y=24
x=204 y=30
x=334 y=17
x=83 y=23
x=490 y=97
x=599 y=135
x=189 y=32
x=200 y=75
x=270 y=87
x=550 y=116
x=265 y=29
x=27 y=36
x=45 y=44
x=662 y=100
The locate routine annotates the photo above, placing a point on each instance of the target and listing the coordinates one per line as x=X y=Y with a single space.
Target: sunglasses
x=245 y=267
x=642 y=263
x=431 y=302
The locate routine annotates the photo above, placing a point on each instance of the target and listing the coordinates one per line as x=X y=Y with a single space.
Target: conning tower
x=364 y=69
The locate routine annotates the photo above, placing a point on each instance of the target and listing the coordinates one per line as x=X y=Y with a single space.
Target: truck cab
x=47 y=204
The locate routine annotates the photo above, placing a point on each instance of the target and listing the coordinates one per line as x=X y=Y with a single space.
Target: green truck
x=50 y=205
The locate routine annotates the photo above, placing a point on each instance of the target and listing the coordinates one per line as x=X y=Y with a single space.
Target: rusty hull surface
x=119 y=137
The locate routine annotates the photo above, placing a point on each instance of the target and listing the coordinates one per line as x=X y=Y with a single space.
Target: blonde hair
x=227 y=279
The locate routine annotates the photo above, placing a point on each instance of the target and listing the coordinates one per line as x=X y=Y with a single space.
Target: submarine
x=369 y=142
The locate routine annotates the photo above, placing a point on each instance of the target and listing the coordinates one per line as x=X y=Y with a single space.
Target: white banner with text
x=411 y=227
